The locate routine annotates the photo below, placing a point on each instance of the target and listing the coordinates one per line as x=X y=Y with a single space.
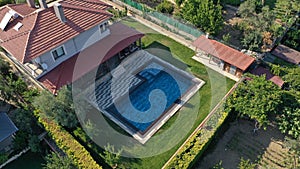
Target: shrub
x=3 y=158
x=197 y=144
x=165 y=7
x=65 y=141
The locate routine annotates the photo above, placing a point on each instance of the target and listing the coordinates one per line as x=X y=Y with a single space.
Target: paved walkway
x=205 y=60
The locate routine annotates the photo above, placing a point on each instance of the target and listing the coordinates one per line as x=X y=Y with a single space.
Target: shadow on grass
x=163 y=52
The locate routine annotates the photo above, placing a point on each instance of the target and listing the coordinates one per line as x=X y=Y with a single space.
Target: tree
x=54 y=161
x=3 y=158
x=252 y=40
x=246 y=164
x=5 y=68
x=165 y=7
x=34 y=143
x=256 y=98
x=4 y=2
x=60 y=108
x=247 y=9
x=23 y=120
x=204 y=14
x=111 y=156
x=20 y=141
x=292 y=78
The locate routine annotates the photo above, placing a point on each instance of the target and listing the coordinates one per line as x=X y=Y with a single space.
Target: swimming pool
x=159 y=89
x=142 y=94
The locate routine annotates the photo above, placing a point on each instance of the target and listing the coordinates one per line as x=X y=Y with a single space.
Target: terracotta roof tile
x=43 y=31
x=21 y=9
x=224 y=52
x=92 y=4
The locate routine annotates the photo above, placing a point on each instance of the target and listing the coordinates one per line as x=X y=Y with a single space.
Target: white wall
x=74 y=46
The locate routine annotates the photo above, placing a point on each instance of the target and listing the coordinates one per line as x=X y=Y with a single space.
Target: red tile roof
x=269 y=76
x=287 y=54
x=121 y=36
x=21 y=9
x=43 y=31
x=224 y=52
x=92 y=4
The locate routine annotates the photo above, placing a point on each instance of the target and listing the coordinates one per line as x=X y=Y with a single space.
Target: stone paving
x=202 y=58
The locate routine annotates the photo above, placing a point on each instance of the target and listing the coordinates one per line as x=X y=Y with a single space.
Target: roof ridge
x=29 y=35
x=76 y=7
x=96 y=2
x=15 y=36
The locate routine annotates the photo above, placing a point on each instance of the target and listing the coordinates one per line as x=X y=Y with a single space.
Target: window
x=103 y=27
x=59 y=52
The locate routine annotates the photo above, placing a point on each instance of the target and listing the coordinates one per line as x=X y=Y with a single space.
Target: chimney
x=207 y=35
x=43 y=4
x=31 y=3
x=59 y=12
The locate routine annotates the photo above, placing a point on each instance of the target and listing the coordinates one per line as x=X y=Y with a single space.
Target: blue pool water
x=142 y=108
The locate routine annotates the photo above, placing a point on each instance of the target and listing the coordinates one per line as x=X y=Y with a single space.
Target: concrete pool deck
x=123 y=77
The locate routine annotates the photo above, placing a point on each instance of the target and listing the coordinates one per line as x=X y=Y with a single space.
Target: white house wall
x=74 y=46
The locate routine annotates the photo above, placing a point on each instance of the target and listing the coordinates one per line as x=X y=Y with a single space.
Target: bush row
x=65 y=141
x=197 y=144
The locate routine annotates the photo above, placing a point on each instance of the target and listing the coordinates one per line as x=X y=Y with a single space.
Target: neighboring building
x=7 y=130
x=259 y=70
x=287 y=54
x=227 y=58
x=46 y=41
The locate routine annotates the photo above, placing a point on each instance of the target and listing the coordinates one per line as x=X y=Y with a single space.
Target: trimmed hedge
x=65 y=141
x=193 y=149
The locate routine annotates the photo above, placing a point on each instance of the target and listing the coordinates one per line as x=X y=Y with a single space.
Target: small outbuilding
x=227 y=58
x=286 y=53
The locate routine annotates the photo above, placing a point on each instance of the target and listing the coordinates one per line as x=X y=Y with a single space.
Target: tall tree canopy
x=204 y=14
x=256 y=98
x=58 y=108
x=259 y=99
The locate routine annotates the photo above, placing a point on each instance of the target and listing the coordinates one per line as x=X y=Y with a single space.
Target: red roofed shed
x=229 y=59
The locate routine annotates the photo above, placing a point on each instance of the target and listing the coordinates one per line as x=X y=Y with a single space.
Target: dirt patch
x=263 y=147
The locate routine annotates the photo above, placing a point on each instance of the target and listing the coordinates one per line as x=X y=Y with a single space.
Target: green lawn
x=210 y=94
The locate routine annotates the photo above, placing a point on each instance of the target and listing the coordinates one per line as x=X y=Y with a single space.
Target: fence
x=171 y=23
x=177 y=24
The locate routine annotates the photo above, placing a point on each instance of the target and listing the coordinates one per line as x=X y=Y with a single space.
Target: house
x=46 y=40
x=287 y=54
x=7 y=130
x=227 y=58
